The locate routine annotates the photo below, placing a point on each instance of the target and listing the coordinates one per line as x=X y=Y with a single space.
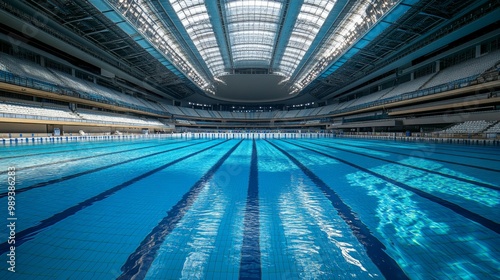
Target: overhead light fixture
x=362 y=16
x=144 y=20
x=310 y=19
x=220 y=81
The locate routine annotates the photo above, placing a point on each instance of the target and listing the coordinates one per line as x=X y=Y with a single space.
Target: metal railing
x=460 y=83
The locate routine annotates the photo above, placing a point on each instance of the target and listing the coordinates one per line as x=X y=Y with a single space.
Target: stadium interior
x=420 y=68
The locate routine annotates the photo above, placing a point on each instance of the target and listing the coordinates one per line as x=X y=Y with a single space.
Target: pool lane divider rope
x=87 y=157
x=139 y=262
x=375 y=249
x=250 y=263
x=492 y=225
x=75 y=175
x=30 y=233
x=481 y=184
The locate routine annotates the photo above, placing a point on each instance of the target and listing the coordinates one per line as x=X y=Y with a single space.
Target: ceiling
x=250 y=51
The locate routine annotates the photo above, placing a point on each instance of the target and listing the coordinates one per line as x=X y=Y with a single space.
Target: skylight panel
x=145 y=21
x=311 y=18
x=252 y=26
x=194 y=17
x=362 y=16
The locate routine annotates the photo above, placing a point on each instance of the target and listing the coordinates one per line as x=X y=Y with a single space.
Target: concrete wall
x=22 y=128
x=16 y=128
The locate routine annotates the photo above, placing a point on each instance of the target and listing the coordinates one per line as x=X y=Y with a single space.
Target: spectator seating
x=100 y=93
x=469 y=127
x=58 y=112
x=466 y=69
x=494 y=128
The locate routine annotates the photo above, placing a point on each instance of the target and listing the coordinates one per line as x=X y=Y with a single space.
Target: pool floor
x=249 y=209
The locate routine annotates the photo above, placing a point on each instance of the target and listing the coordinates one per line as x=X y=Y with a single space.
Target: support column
x=478 y=50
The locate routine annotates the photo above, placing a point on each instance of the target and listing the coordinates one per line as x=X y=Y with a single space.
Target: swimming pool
x=271 y=209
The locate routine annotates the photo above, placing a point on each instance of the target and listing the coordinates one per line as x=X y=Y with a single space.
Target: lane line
x=139 y=262
x=450 y=205
x=375 y=249
x=431 y=149
x=428 y=158
x=442 y=146
x=75 y=175
x=250 y=263
x=485 y=185
x=68 y=150
x=30 y=233
x=87 y=157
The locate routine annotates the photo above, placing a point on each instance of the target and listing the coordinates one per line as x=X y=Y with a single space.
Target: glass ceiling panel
x=362 y=16
x=252 y=37
x=313 y=14
x=194 y=17
x=149 y=26
x=252 y=27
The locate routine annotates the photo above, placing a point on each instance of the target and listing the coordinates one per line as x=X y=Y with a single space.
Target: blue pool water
x=251 y=209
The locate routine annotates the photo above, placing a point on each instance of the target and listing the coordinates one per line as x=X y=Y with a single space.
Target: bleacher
x=26 y=68
x=174 y=110
x=79 y=85
x=33 y=110
x=470 y=68
x=494 y=128
x=469 y=127
x=86 y=89
x=189 y=112
x=459 y=100
x=93 y=91
x=204 y=113
x=366 y=99
x=115 y=118
x=215 y=114
x=56 y=112
x=410 y=86
x=226 y=115
x=291 y=114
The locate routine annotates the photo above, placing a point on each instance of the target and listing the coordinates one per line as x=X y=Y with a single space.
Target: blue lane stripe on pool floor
x=492 y=225
x=31 y=232
x=481 y=184
x=424 y=157
x=250 y=264
x=374 y=248
x=69 y=150
x=87 y=157
x=75 y=175
x=139 y=262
